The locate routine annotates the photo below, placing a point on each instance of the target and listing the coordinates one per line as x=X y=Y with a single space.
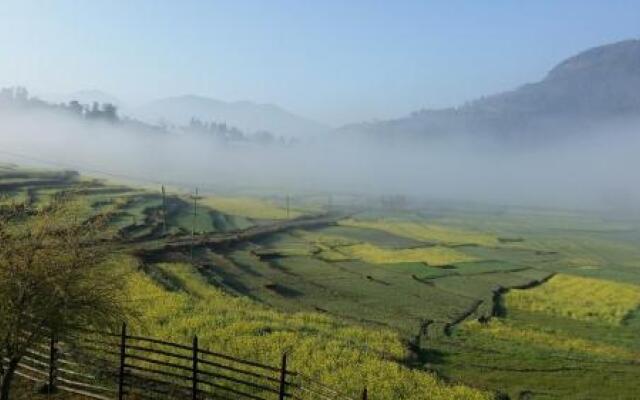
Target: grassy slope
x=572 y=338
x=549 y=343
x=580 y=298
x=345 y=356
x=249 y=207
x=337 y=353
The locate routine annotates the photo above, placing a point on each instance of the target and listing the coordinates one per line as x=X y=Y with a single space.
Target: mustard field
x=425 y=232
x=580 y=298
x=433 y=256
x=249 y=207
x=335 y=353
x=556 y=340
x=401 y=301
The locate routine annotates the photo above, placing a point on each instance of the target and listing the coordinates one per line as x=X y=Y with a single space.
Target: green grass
x=581 y=298
x=433 y=256
x=336 y=353
x=425 y=232
x=358 y=292
x=249 y=207
x=551 y=356
x=561 y=342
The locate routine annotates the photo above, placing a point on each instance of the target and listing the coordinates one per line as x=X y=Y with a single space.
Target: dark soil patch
x=283 y=290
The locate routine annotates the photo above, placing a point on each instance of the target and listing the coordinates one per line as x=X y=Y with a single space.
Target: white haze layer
x=594 y=170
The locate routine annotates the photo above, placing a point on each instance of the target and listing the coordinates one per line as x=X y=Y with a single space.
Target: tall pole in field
x=164 y=211
x=288 y=204
x=195 y=213
x=193 y=223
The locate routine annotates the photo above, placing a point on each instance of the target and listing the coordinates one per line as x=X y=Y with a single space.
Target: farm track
x=529 y=370
x=498 y=308
x=429 y=280
x=156 y=246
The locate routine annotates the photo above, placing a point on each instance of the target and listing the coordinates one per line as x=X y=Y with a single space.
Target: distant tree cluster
x=15 y=95
x=100 y=112
x=19 y=97
x=220 y=130
x=227 y=133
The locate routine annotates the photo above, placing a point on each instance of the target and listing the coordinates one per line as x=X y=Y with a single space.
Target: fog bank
x=594 y=170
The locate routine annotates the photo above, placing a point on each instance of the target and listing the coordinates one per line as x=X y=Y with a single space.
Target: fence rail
x=107 y=366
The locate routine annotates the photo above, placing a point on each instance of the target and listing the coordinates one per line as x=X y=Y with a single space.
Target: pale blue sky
x=334 y=61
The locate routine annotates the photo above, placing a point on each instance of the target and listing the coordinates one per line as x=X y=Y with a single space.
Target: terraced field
x=536 y=303
x=580 y=298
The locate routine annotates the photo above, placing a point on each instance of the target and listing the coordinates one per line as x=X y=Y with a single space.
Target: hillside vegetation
x=386 y=300
x=580 y=298
x=345 y=356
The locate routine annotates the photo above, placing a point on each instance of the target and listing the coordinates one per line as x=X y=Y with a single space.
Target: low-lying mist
x=596 y=170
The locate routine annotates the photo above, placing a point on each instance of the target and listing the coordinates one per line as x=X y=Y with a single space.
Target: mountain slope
x=594 y=87
x=245 y=115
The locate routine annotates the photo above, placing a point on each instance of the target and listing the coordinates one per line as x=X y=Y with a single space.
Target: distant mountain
x=595 y=87
x=246 y=115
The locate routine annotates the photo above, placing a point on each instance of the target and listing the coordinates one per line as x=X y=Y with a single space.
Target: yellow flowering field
x=339 y=354
x=504 y=330
x=425 y=232
x=433 y=256
x=579 y=298
x=248 y=207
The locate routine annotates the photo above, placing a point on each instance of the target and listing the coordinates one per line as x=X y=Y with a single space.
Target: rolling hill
x=246 y=115
x=597 y=87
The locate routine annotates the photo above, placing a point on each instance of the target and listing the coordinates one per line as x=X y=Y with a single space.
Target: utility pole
x=195 y=212
x=288 y=204
x=164 y=211
x=193 y=223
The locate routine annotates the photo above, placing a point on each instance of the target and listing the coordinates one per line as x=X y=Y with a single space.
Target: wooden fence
x=108 y=366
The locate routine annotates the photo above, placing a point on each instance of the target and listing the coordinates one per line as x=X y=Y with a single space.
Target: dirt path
x=222 y=240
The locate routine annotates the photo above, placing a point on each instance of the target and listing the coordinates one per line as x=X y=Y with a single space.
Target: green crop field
x=440 y=302
x=580 y=298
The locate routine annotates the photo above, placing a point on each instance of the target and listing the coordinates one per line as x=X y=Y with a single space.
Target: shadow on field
x=429 y=356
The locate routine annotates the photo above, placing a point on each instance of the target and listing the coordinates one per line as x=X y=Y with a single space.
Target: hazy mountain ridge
x=595 y=87
x=246 y=115
x=16 y=101
x=178 y=111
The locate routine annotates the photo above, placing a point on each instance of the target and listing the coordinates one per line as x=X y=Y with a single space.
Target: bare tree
x=52 y=280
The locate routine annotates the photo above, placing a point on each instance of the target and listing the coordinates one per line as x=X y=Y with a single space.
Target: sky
x=333 y=61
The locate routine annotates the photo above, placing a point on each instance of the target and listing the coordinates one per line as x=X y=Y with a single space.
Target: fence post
x=283 y=377
x=52 y=364
x=364 y=394
x=123 y=344
x=194 y=378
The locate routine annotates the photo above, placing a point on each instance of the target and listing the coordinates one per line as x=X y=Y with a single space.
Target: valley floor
x=439 y=302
